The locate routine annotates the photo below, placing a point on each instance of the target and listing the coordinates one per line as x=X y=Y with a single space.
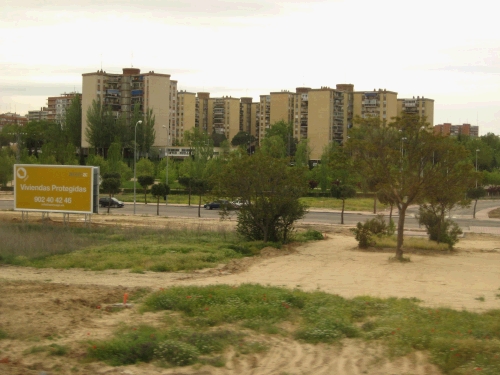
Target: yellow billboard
x=53 y=188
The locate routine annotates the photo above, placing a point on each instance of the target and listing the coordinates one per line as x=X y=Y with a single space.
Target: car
x=111 y=202
x=238 y=203
x=217 y=204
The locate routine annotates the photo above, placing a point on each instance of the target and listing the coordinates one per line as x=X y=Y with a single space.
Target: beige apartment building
x=122 y=91
x=224 y=116
x=421 y=106
x=186 y=115
x=247 y=116
x=202 y=110
x=377 y=103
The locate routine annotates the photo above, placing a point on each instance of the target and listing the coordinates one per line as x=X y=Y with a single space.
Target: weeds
x=3 y=334
x=175 y=347
x=137 y=249
x=52 y=349
x=458 y=341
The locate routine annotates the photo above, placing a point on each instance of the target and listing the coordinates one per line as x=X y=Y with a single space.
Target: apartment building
x=377 y=103
x=224 y=116
x=454 y=130
x=420 y=106
x=246 y=115
x=329 y=117
x=10 y=118
x=282 y=106
x=264 y=118
x=57 y=105
x=186 y=115
x=121 y=92
x=39 y=115
x=202 y=110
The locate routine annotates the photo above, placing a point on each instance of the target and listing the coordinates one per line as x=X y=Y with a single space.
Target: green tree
x=114 y=156
x=242 y=139
x=102 y=127
x=110 y=184
x=284 y=131
x=145 y=167
x=403 y=155
x=146 y=133
x=6 y=166
x=145 y=181
x=202 y=151
x=303 y=153
x=72 y=124
x=159 y=190
x=273 y=147
x=271 y=196
x=343 y=191
x=475 y=194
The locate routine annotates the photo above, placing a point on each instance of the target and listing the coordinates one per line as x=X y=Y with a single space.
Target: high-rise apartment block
x=121 y=92
x=321 y=115
x=421 y=106
x=224 y=116
x=454 y=130
x=377 y=103
x=38 y=115
x=57 y=105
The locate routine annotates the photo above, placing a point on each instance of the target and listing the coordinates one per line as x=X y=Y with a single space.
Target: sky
x=445 y=50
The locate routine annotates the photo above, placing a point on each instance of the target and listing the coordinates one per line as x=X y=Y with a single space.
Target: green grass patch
x=3 y=334
x=411 y=243
x=354 y=204
x=179 y=346
x=52 y=349
x=458 y=341
x=138 y=249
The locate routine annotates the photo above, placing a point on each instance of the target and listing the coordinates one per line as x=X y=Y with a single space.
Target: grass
x=137 y=249
x=494 y=214
x=179 y=346
x=459 y=342
x=355 y=204
x=52 y=349
x=411 y=243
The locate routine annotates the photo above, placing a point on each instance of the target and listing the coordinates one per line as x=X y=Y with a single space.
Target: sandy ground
x=44 y=306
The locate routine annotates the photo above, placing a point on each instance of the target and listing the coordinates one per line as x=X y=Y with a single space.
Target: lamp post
x=135 y=150
x=166 y=156
x=476 y=165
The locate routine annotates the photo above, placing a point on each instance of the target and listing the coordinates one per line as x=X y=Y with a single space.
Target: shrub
x=373 y=227
x=176 y=352
x=438 y=228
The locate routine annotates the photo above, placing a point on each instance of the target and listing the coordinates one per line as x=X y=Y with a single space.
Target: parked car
x=113 y=202
x=238 y=203
x=217 y=204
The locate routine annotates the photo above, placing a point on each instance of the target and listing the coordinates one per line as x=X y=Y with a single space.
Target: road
x=463 y=217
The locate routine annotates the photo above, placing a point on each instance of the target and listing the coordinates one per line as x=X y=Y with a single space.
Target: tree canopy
x=270 y=190
x=409 y=160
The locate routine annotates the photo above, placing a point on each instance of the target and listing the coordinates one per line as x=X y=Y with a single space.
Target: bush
x=176 y=352
x=439 y=229
x=374 y=227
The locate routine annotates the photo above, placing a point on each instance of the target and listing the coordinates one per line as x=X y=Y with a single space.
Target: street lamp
x=166 y=155
x=135 y=150
x=476 y=165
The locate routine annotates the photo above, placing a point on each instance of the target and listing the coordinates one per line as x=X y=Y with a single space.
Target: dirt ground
x=40 y=307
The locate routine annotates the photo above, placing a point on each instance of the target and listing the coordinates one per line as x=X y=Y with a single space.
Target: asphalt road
x=463 y=217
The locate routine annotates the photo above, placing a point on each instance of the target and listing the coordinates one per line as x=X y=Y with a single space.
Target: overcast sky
x=445 y=50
